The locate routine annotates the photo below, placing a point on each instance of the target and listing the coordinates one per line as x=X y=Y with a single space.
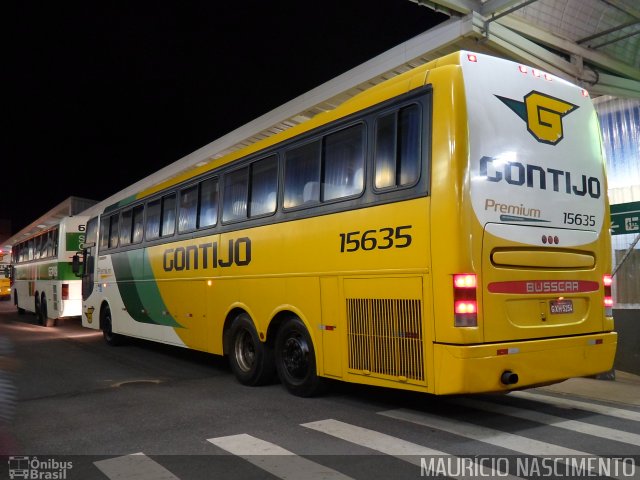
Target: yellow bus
x=446 y=231
x=5 y=274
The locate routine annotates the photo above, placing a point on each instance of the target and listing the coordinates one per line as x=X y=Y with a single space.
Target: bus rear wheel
x=44 y=314
x=250 y=359
x=296 y=359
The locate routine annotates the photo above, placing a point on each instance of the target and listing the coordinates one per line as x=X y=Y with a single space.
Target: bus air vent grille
x=385 y=337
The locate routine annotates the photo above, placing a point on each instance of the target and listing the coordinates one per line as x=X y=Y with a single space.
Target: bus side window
x=104 y=233
x=236 y=188
x=188 y=210
x=137 y=221
x=343 y=163
x=113 y=231
x=208 y=203
x=54 y=242
x=152 y=227
x=302 y=175
x=397 y=157
x=168 y=226
x=264 y=186
x=125 y=226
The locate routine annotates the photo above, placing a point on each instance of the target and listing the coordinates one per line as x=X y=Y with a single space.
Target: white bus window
x=236 y=188
x=188 y=212
x=264 y=186
x=208 y=214
x=302 y=175
x=343 y=163
x=168 y=215
x=152 y=227
x=54 y=242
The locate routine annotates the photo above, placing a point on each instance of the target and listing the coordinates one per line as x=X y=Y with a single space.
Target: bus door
x=89 y=249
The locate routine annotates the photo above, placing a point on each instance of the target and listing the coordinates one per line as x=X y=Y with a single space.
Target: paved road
x=147 y=411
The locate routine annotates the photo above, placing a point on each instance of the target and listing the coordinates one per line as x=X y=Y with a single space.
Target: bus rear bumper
x=481 y=368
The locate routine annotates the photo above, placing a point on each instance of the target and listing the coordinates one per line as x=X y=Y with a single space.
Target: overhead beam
x=493 y=7
x=462 y=7
x=546 y=38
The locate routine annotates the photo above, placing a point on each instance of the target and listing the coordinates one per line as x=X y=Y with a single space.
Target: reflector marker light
x=596 y=341
x=65 y=291
x=507 y=351
x=471 y=57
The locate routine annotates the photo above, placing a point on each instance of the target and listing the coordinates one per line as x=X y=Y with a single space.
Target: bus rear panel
x=530 y=283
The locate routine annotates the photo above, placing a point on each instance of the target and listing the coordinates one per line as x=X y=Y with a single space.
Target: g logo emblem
x=543 y=115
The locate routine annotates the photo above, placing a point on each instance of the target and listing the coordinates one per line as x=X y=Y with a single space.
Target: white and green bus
x=43 y=281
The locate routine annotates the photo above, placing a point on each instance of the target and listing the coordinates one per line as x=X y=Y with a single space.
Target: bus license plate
x=561 y=306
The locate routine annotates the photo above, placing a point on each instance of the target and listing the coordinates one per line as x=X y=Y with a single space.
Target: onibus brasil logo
x=542 y=113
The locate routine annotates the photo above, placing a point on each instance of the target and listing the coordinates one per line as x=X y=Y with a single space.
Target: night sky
x=98 y=95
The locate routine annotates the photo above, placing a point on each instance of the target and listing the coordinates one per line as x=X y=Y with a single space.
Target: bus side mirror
x=75 y=265
x=7 y=272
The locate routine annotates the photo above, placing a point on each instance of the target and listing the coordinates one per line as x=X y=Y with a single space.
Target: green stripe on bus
x=142 y=299
x=53 y=270
x=121 y=203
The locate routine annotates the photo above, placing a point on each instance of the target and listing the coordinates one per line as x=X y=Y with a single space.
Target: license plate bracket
x=561 y=306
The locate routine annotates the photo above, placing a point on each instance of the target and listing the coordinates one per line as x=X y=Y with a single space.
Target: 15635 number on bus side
x=380 y=239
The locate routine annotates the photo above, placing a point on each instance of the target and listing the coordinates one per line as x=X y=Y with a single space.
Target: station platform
x=616 y=387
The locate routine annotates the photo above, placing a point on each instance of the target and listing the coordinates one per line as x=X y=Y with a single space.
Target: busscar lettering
x=207 y=255
x=559 y=286
x=534 y=176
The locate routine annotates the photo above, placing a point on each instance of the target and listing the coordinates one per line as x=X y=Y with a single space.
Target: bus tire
x=110 y=338
x=44 y=317
x=15 y=301
x=250 y=359
x=36 y=308
x=296 y=360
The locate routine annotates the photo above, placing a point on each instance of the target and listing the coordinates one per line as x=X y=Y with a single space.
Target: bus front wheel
x=250 y=359
x=110 y=338
x=296 y=359
x=15 y=301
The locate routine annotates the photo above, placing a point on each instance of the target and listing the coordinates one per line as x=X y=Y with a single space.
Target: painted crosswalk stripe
x=552 y=420
x=136 y=466
x=274 y=459
x=589 y=407
x=510 y=441
x=381 y=442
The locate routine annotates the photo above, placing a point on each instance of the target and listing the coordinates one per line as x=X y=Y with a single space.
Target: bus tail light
x=65 y=291
x=607 y=280
x=465 y=305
